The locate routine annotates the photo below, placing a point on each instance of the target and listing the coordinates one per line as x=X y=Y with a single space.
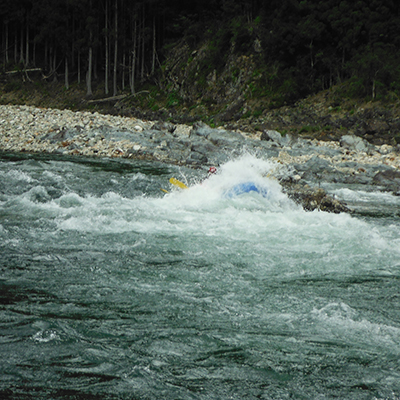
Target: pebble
x=27 y=128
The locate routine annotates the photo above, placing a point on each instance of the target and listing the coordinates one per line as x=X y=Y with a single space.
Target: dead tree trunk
x=133 y=63
x=107 y=54
x=66 y=74
x=153 y=64
x=89 y=92
x=115 y=50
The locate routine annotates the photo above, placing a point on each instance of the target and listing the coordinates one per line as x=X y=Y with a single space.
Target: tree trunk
x=107 y=54
x=123 y=72
x=133 y=64
x=115 y=50
x=143 y=40
x=16 y=46
x=373 y=89
x=51 y=60
x=6 y=52
x=54 y=67
x=21 y=55
x=153 y=64
x=73 y=44
x=27 y=44
x=46 y=54
x=66 y=74
x=34 y=54
x=89 y=92
x=79 y=68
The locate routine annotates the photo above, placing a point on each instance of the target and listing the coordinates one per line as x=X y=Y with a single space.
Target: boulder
x=200 y=129
x=164 y=126
x=390 y=179
x=275 y=136
x=313 y=198
x=356 y=143
x=196 y=158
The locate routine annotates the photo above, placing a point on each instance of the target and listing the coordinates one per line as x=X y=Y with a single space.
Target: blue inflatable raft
x=243 y=188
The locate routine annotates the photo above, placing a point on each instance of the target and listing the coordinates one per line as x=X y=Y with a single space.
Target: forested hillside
x=296 y=48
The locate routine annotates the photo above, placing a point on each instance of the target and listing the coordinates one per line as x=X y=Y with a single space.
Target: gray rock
x=356 y=143
x=61 y=135
x=314 y=165
x=196 y=159
x=276 y=137
x=200 y=129
x=164 y=126
x=203 y=148
x=390 y=179
x=220 y=137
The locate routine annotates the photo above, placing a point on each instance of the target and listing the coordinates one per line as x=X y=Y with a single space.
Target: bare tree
x=107 y=61
x=115 y=50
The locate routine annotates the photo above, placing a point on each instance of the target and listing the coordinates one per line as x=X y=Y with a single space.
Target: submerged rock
x=390 y=179
x=313 y=198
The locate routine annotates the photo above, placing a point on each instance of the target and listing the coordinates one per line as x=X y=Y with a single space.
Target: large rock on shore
x=353 y=142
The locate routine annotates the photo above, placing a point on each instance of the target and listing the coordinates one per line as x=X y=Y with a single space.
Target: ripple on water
x=109 y=289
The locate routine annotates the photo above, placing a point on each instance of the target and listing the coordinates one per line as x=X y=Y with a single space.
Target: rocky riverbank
x=301 y=163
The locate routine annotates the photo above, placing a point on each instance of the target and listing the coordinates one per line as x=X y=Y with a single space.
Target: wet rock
x=313 y=198
x=389 y=179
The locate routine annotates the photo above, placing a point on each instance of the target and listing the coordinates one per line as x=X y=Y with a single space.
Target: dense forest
x=300 y=47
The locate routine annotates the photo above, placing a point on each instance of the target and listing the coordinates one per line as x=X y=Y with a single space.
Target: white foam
x=343 y=322
x=45 y=336
x=266 y=226
x=347 y=194
x=16 y=175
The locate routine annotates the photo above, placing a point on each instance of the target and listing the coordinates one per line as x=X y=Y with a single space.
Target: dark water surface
x=111 y=289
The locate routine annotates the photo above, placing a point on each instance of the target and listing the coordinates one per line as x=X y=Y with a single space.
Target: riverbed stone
x=30 y=129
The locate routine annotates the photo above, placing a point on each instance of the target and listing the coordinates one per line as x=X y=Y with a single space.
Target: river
x=113 y=289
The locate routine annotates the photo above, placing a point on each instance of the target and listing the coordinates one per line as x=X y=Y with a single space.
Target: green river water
x=112 y=289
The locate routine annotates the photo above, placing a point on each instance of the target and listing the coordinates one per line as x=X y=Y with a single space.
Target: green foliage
x=306 y=45
x=246 y=115
x=173 y=100
x=257 y=113
x=309 y=129
x=12 y=86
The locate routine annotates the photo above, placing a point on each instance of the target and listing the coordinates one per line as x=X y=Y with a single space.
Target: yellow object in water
x=180 y=184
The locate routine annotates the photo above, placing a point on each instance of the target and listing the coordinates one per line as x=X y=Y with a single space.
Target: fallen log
x=116 y=98
x=24 y=70
x=107 y=99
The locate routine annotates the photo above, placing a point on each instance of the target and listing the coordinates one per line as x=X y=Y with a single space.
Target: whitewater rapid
x=112 y=288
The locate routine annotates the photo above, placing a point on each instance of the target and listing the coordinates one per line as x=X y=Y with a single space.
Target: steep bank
x=223 y=102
